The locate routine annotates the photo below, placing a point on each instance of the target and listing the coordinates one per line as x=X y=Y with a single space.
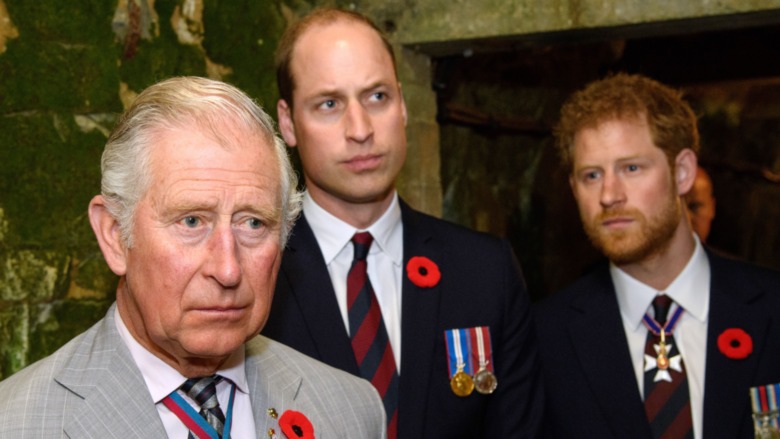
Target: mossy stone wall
x=67 y=69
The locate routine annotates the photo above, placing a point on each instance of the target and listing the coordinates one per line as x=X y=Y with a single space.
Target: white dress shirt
x=385 y=257
x=690 y=290
x=162 y=380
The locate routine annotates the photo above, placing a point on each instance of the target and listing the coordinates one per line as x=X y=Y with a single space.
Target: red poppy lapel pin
x=294 y=425
x=423 y=272
x=735 y=343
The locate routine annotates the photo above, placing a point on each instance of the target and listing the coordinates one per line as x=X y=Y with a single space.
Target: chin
x=215 y=344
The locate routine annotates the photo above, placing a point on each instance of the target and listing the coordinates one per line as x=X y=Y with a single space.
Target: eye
x=592 y=175
x=191 y=221
x=254 y=223
x=378 y=96
x=328 y=104
x=632 y=168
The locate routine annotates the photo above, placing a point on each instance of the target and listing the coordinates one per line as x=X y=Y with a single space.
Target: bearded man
x=666 y=339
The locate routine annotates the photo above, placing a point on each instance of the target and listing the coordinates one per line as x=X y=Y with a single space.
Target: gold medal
x=485 y=381
x=462 y=384
x=662 y=360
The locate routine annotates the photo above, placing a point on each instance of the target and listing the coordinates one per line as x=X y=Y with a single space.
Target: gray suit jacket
x=91 y=388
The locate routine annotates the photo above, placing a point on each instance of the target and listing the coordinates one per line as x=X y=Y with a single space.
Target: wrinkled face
x=701 y=205
x=625 y=190
x=348 y=116
x=202 y=269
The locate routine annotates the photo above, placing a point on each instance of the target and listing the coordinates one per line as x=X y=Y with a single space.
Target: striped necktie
x=667 y=402
x=368 y=334
x=204 y=391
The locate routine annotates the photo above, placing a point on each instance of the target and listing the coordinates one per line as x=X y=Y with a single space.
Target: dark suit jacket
x=481 y=285
x=590 y=386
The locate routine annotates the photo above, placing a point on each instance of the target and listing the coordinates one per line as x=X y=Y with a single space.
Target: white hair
x=173 y=103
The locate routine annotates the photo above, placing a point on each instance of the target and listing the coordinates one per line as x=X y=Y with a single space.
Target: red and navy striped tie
x=667 y=403
x=372 y=348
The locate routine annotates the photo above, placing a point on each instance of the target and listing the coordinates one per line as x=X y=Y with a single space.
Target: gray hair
x=171 y=103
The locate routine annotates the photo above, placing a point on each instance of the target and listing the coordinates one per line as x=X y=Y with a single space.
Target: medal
x=764 y=400
x=462 y=384
x=484 y=380
x=767 y=432
x=460 y=366
x=662 y=360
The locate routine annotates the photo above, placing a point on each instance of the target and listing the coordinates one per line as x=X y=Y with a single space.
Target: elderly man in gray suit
x=198 y=197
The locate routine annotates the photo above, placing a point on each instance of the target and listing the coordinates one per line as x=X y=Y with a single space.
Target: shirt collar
x=691 y=289
x=334 y=234
x=162 y=379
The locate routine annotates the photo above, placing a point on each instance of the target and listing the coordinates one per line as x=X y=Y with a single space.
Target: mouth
x=617 y=222
x=366 y=162
x=220 y=312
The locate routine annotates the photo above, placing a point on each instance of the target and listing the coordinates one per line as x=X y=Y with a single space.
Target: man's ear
x=286 y=124
x=109 y=238
x=685 y=165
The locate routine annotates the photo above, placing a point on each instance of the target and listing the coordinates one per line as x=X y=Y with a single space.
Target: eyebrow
x=271 y=215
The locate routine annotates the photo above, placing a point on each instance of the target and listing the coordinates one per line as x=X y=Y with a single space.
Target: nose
x=612 y=191
x=358 y=123
x=223 y=263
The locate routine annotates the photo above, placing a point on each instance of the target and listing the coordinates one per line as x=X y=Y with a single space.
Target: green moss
x=162 y=57
x=243 y=36
x=37 y=275
x=14 y=343
x=54 y=324
x=37 y=75
x=72 y=21
x=92 y=273
x=50 y=172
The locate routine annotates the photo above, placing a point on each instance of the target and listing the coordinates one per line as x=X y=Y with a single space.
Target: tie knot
x=661 y=305
x=203 y=390
x=362 y=242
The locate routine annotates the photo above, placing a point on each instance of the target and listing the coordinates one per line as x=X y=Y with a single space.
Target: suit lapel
x=275 y=383
x=733 y=304
x=598 y=336
x=115 y=401
x=271 y=385
x=420 y=320
x=307 y=276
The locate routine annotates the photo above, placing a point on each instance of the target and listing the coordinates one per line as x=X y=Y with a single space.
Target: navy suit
x=481 y=285
x=590 y=385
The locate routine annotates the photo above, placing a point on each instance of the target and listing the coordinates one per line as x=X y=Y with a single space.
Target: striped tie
x=667 y=402
x=204 y=391
x=372 y=348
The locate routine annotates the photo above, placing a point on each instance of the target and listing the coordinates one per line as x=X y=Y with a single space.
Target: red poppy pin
x=735 y=343
x=296 y=425
x=423 y=272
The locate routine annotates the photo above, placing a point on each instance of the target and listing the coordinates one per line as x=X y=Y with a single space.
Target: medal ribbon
x=668 y=328
x=480 y=337
x=764 y=400
x=458 y=342
x=194 y=421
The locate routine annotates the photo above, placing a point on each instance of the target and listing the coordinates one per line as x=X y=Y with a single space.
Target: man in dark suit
x=458 y=357
x=667 y=339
